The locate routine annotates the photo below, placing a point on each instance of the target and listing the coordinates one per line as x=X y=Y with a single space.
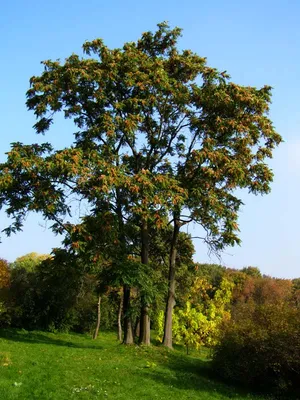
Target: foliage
x=192 y=327
x=5 y=318
x=296 y=292
x=272 y=291
x=178 y=106
x=260 y=290
x=4 y=274
x=46 y=295
x=296 y=283
x=260 y=348
x=29 y=261
x=198 y=322
x=252 y=271
x=213 y=273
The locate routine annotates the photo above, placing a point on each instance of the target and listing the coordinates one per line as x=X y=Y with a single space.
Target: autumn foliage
x=260 y=348
x=4 y=274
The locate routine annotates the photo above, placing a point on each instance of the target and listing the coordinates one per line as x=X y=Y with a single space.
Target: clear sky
x=257 y=42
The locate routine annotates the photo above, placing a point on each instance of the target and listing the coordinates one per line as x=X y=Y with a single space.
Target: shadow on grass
x=41 y=338
x=190 y=373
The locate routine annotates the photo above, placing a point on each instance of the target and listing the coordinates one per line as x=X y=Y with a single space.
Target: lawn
x=40 y=365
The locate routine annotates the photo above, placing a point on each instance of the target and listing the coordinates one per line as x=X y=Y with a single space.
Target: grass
x=40 y=365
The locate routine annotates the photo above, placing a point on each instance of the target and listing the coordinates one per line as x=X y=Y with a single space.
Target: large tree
x=158 y=133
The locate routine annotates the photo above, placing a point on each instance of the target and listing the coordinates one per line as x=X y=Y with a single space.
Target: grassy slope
x=41 y=365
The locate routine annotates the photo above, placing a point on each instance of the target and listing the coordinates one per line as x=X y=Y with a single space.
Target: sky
x=256 y=42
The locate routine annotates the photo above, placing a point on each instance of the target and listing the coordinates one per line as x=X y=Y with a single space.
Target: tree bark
x=98 y=318
x=137 y=327
x=168 y=339
x=145 y=320
x=145 y=325
x=120 y=318
x=128 y=334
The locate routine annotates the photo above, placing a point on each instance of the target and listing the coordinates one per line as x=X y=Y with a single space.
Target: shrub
x=261 y=349
x=5 y=318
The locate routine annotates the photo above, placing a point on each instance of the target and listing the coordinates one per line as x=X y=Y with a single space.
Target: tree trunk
x=120 y=318
x=145 y=320
x=137 y=327
x=167 y=340
x=98 y=318
x=128 y=334
x=145 y=325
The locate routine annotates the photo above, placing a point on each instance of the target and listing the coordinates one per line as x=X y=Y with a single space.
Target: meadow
x=41 y=365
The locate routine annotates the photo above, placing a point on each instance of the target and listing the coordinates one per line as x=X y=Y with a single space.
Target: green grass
x=39 y=365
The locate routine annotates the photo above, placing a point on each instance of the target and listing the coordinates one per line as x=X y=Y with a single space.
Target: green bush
x=5 y=318
x=260 y=348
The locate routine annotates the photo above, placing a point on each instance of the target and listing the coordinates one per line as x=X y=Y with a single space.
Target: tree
x=46 y=296
x=4 y=274
x=29 y=261
x=296 y=291
x=260 y=348
x=259 y=290
x=198 y=322
x=112 y=100
x=272 y=291
x=252 y=271
x=4 y=289
x=158 y=132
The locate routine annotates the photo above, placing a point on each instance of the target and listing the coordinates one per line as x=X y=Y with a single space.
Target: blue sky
x=257 y=43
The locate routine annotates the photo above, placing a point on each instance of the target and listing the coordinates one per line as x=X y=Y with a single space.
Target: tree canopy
x=152 y=120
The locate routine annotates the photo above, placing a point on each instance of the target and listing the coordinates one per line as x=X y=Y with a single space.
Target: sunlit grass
x=39 y=365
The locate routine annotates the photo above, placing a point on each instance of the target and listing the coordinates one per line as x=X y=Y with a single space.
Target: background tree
x=29 y=261
x=4 y=273
x=252 y=271
x=296 y=291
x=4 y=292
x=259 y=348
x=198 y=321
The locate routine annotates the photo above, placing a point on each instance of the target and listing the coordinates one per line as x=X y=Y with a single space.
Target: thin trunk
x=145 y=320
x=98 y=318
x=167 y=340
x=137 y=327
x=120 y=318
x=128 y=334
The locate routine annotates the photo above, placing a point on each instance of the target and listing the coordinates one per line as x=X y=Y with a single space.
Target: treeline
x=60 y=293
